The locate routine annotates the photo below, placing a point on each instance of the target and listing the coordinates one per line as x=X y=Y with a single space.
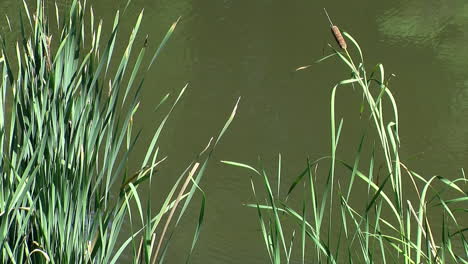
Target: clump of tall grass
x=358 y=213
x=66 y=135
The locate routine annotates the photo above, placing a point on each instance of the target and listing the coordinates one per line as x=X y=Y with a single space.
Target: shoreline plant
x=388 y=225
x=66 y=142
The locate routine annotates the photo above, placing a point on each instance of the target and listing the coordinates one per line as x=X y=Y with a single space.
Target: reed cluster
x=360 y=212
x=66 y=135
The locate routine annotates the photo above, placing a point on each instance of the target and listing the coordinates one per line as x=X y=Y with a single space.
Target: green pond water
x=250 y=48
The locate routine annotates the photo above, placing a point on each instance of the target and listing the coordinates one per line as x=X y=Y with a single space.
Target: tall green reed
x=66 y=142
x=392 y=222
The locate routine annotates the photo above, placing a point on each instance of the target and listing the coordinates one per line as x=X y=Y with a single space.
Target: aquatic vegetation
x=66 y=135
x=396 y=220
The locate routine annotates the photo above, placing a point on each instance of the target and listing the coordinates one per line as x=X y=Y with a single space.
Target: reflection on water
x=440 y=26
x=416 y=22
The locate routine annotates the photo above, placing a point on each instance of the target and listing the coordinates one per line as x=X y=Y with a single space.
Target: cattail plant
x=66 y=135
x=335 y=221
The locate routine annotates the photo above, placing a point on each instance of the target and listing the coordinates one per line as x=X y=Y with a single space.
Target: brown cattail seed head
x=339 y=38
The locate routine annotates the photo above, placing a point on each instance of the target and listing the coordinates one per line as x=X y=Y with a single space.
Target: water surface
x=226 y=49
